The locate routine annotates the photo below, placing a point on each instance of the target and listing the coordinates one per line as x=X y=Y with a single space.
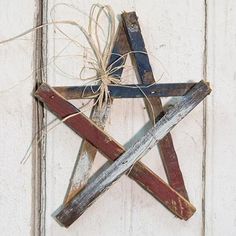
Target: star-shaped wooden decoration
x=128 y=39
x=80 y=193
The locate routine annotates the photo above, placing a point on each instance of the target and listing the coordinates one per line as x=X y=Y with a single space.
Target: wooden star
x=174 y=197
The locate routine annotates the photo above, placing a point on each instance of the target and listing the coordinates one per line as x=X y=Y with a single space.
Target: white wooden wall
x=192 y=40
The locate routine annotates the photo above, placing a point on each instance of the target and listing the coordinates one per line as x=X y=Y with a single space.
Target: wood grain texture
x=86 y=157
x=173 y=32
x=89 y=131
x=126 y=91
x=87 y=153
x=39 y=122
x=94 y=189
x=153 y=105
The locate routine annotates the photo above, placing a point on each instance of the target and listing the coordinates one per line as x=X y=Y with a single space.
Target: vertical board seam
x=205 y=51
x=38 y=124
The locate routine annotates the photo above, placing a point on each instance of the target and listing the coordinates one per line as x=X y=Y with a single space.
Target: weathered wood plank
x=173 y=32
x=16 y=122
x=39 y=118
x=220 y=123
x=166 y=147
x=126 y=91
x=94 y=189
x=88 y=130
x=87 y=153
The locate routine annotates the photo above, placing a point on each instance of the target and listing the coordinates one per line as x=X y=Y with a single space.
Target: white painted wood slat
x=16 y=117
x=221 y=120
x=175 y=35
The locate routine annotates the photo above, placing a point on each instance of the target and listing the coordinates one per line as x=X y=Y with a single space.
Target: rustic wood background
x=192 y=40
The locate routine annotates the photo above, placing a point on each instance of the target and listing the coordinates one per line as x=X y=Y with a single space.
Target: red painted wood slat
x=88 y=130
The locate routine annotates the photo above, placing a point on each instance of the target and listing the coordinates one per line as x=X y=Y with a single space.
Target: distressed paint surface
x=89 y=131
x=126 y=161
x=16 y=118
x=127 y=35
x=176 y=37
x=220 y=202
x=126 y=91
x=154 y=106
x=87 y=153
x=174 y=33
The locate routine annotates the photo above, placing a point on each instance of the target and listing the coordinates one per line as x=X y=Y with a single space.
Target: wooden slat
x=86 y=155
x=166 y=147
x=126 y=91
x=220 y=124
x=94 y=189
x=18 y=59
x=87 y=152
x=88 y=130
